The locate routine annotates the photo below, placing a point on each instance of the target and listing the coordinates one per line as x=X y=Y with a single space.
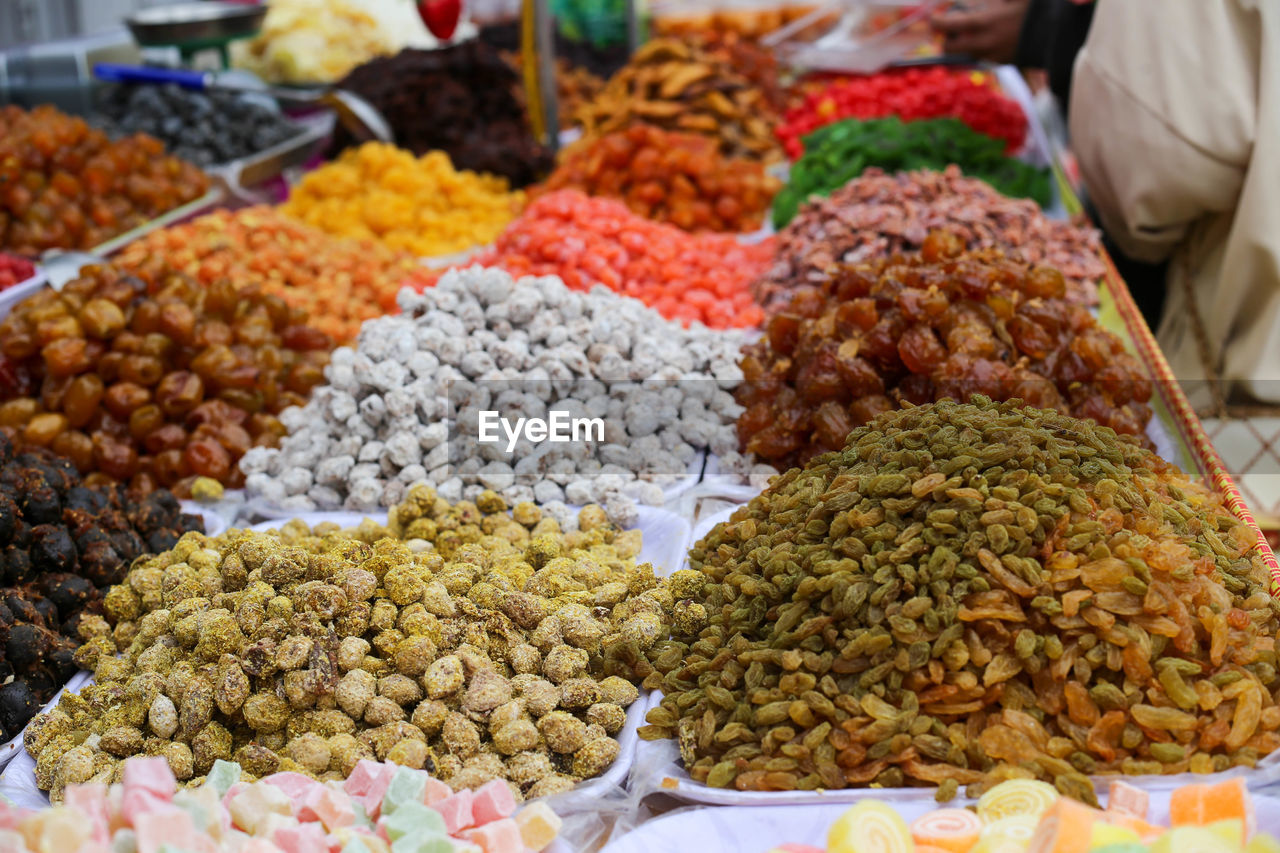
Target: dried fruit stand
x=897 y=535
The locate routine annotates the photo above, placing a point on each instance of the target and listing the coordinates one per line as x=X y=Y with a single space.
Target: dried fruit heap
x=154 y=386
x=966 y=594
x=680 y=178
x=877 y=215
x=471 y=640
x=339 y=283
x=460 y=99
x=59 y=542
x=412 y=204
x=920 y=328
x=64 y=185
x=681 y=87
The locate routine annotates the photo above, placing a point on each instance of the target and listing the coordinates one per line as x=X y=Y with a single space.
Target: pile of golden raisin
x=65 y=185
x=154 y=386
x=919 y=328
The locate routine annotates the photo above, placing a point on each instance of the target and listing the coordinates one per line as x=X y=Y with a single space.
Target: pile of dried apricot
x=680 y=178
x=154 y=386
x=340 y=283
x=65 y=185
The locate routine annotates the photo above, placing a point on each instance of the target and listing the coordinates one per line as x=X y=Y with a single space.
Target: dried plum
x=205 y=128
x=52 y=549
x=8 y=518
x=17 y=706
x=460 y=99
x=61 y=542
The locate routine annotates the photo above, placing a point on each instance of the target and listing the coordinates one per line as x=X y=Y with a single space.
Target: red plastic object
x=441 y=17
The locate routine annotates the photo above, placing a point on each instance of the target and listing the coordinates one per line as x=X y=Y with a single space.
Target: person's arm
x=1158 y=147
x=990 y=31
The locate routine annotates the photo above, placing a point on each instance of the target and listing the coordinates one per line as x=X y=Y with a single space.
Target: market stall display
x=423 y=644
x=67 y=186
x=308 y=42
x=684 y=88
x=1066 y=565
x=62 y=541
x=587 y=242
x=841 y=152
x=421 y=205
x=918 y=328
x=154 y=385
x=205 y=128
x=878 y=215
x=382 y=807
x=679 y=178
x=338 y=282
x=461 y=100
x=402 y=406
x=914 y=94
x=887 y=508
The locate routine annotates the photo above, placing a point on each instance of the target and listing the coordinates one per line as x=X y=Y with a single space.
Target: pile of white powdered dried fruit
x=482 y=341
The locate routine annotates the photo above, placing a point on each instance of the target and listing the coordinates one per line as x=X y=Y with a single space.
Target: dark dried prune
x=87 y=500
x=52 y=549
x=27 y=646
x=23 y=610
x=66 y=540
x=42 y=506
x=161 y=540
x=68 y=592
x=8 y=518
x=46 y=608
x=17 y=565
x=17 y=706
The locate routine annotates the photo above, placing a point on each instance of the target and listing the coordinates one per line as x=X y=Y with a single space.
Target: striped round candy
x=1016 y=797
x=1013 y=832
x=950 y=829
x=869 y=827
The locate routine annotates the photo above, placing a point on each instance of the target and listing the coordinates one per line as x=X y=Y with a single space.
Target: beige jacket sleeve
x=1162 y=116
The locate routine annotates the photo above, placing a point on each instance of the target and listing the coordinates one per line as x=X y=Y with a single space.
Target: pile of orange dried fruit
x=680 y=178
x=65 y=185
x=154 y=385
x=589 y=241
x=339 y=282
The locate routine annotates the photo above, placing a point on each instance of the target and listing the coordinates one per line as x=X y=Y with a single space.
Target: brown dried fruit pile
x=154 y=384
x=877 y=215
x=676 y=86
x=966 y=594
x=469 y=640
x=921 y=328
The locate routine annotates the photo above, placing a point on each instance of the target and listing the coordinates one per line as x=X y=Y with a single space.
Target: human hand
x=989 y=31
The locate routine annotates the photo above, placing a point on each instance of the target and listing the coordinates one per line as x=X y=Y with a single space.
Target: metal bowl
x=207 y=22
